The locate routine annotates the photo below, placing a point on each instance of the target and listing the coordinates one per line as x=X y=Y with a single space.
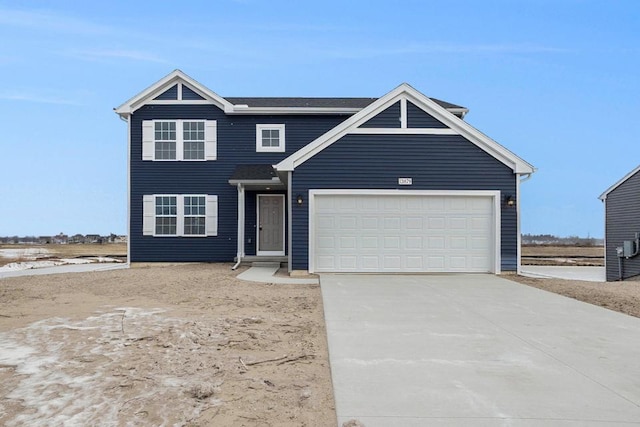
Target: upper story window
x=270 y=138
x=179 y=140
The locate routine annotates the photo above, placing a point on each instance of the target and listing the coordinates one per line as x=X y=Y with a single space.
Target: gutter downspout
x=240 y=226
x=522 y=178
x=128 y=121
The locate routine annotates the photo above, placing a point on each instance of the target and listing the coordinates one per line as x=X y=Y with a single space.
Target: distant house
x=622 y=224
x=399 y=183
x=92 y=238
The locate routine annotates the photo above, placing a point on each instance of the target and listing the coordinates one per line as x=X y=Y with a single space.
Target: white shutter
x=148 y=215
x=210 y=140
x=148 y=139
x=212 y=216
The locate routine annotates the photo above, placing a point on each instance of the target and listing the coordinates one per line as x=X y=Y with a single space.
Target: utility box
x=628 y=248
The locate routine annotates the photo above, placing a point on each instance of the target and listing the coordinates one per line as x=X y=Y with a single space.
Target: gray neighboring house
x=622 y=222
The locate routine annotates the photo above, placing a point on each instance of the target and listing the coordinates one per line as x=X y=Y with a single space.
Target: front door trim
x=269 y=253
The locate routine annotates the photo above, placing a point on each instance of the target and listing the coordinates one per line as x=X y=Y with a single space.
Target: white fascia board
x=458 y=125
x=518 y=165
x=323 y=141
x=165 y=83
x=604 y=195
x=241 y=109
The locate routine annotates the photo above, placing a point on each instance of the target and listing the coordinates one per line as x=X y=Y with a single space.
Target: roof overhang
x=604 y=195
x=405 y=91
x=147 y=96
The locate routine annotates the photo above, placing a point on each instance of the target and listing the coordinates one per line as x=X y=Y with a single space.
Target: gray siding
x=622 y=221
x=171 y=94
x=447 y=162
x=236 y=145
x=389 y=118
x=418 y=118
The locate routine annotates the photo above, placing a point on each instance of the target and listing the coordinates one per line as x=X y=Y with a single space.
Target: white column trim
x=403 y=113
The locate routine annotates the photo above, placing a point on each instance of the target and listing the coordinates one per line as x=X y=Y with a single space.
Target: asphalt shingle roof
x=316 y=102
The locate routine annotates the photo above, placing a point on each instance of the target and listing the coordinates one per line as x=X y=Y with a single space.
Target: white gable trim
x=406 y=92
x=604 y=195
x=176 y=77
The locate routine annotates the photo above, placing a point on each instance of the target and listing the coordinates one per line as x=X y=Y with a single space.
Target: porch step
x=265 y=264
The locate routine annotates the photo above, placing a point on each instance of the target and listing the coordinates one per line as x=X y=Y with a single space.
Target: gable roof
x=254 y=105
x=166 y=83
x=604 y=195
x=405 y=91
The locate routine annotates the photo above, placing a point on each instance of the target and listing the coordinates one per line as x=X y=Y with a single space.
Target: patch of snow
x=27 y=265
x=16 y=266
x=78 y=373
x=29 y=253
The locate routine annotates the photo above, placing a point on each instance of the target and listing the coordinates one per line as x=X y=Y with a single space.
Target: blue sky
x=555 y=81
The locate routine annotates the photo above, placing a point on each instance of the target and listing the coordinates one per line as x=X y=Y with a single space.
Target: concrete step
x=266 y=264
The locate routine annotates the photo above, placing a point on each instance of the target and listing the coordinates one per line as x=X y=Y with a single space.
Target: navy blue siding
x=236 y=145
x=389 y=118
x=189 y=95
x=447 y=162
x=171 y=94
x=622 y=221
x=418 y=118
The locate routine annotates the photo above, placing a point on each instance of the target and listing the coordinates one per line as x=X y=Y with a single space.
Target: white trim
x=267 y=126
x=149 y=141
x=604 y=195
x=404 y=91
x=518 y=228
x=211 y=215
x=241 y=224
x=165 y=83
x=403 y=113
x=175 y=101
x=244 y=109
x=209 y=228
x=495 y=195
x=179 y=94
x=268 y=253
x=404 y=131
x=128 y=119
x=290 y=223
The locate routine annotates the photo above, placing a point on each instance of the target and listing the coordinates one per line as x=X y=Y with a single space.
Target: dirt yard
x=563 y=255
x=186 y=345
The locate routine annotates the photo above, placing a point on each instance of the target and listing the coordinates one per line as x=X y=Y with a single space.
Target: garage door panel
x=378 y=233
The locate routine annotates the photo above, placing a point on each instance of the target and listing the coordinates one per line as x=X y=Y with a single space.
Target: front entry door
x=270 y=224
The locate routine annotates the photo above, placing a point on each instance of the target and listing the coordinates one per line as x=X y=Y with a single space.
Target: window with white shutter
x=179 y=140
x=180 y=215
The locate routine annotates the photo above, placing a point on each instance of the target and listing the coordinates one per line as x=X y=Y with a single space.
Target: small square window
x=270 y=138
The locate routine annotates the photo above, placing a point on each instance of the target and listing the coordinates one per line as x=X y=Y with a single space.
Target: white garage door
x=403 y=232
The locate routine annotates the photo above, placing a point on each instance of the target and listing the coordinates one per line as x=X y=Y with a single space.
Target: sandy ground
x=164 y=345
x=618 y=296
x=186 y=345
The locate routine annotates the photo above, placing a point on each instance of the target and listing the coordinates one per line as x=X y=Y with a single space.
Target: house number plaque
x=405 y=181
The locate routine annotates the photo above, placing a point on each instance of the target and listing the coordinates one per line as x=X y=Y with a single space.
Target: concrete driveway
x=476 y=350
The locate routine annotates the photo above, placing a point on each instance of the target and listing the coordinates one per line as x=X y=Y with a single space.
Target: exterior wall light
x=509 y=201
x=299 y=199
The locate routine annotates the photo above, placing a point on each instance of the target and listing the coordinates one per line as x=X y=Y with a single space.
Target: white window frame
x=149 y=141
x=149 y=215
x=261 y=149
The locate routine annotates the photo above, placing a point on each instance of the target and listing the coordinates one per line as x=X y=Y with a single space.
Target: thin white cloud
x=38 y=98
x=102 y=54
x=45 y=20
x=355 y=52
